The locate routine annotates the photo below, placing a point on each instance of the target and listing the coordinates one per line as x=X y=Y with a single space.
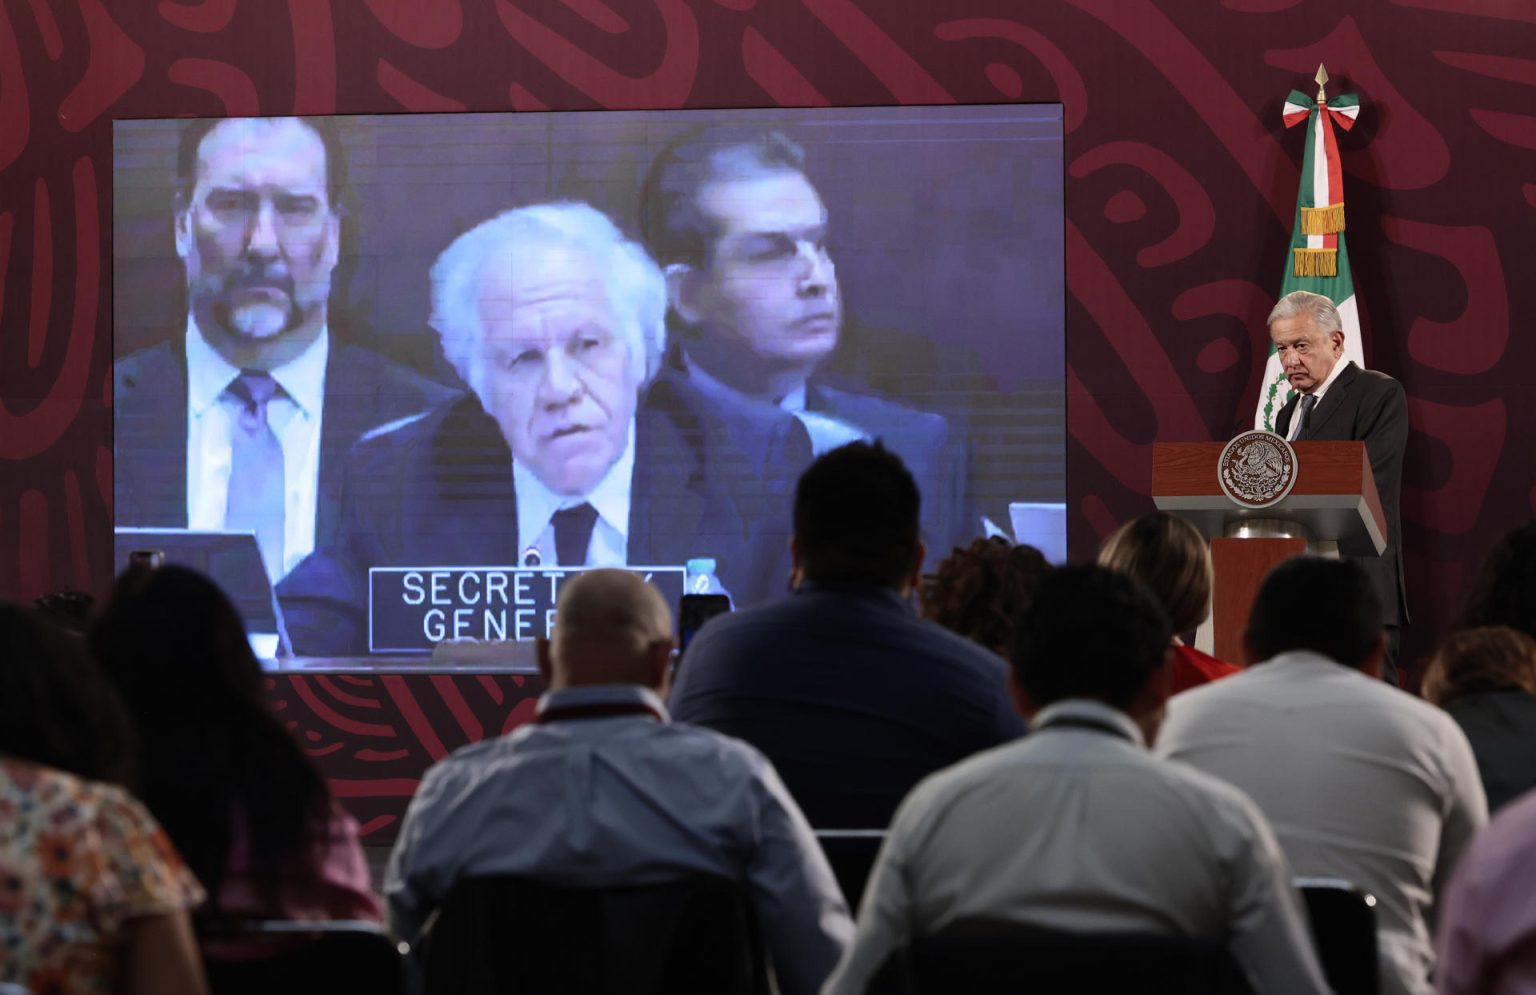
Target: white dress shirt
x=1360 y=780
x=1318 y=393
x=1082 y=829
x=826 y=432
x=294 y=414
x=626 y=799
x=537 y=505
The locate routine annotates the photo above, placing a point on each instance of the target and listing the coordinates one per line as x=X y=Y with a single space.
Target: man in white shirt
x=603 y=790
x=1360 y=780
x=1077 y=827
x=227 y=426
x=574 y=446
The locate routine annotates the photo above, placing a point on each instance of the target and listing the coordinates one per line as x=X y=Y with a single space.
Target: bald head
x=611 y=627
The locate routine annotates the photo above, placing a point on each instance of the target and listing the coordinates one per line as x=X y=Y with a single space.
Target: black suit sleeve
x=1381 y=421
x=325 y=598
x=1383 y=424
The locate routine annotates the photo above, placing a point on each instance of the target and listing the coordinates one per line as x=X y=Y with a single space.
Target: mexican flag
x=1318 y=260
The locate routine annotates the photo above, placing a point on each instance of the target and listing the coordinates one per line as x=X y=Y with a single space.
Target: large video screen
x=419 y=369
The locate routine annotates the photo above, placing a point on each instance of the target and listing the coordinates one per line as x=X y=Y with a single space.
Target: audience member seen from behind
x=1170 y=558
x=1485 y=678
x=980 y=590
x=1361 y=781
x=1505 y=590
x=244 y=805
x=1077 y=827
x=1487 y=937
x=93 y=897
x=656 y=801
x=851 y=695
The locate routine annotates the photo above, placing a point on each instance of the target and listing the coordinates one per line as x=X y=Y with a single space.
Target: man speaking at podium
x=1338 y=401
x=570 y=444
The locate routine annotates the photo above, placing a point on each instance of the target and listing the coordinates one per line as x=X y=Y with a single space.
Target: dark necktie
x=256 y=480
x=573 y=533
x=1308 y=402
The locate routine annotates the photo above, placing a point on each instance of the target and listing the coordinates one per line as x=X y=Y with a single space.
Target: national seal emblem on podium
x=1257 y=469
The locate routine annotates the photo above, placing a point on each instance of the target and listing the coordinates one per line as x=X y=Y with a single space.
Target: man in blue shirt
x=851 y=695
x=602 y=790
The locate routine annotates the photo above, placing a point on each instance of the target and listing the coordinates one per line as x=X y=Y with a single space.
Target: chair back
x=1343 y=918
x=852 y=853
x=299 y=957
x=506 y=935
x=990 y=957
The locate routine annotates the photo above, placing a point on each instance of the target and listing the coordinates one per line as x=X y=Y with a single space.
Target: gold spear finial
x=1322 y=79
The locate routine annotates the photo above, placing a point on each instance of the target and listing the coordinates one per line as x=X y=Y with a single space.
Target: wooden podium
x=1332 y=508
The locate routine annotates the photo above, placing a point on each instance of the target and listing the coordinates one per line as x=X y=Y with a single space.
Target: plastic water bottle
x=700 y=578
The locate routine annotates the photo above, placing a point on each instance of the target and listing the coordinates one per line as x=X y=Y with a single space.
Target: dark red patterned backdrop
x=1181 y=185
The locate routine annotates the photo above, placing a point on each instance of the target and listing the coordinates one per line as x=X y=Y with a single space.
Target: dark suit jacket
x=1501 y=726
x=439 y=492
x=1370 y=407
x=362 y=390
x=850 y=694
x=934 y=454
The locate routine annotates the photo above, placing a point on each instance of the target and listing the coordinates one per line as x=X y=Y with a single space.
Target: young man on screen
x=242 y=420
x=731 y=215
x=573 y=441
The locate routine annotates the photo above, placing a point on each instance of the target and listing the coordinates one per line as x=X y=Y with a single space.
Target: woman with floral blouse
x=94 y=900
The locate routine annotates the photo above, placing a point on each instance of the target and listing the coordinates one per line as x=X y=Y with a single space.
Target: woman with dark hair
x=242 y=802
x=1505 y=590
x=1485 y=679
x=979 y=591
x=93 y=897
x=1170 y=558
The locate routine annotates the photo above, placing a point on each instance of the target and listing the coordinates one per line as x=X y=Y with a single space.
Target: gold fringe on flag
x=1316 y=262
x=1322 y=220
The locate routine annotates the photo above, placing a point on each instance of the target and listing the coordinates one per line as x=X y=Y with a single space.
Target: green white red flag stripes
x=1318 y=260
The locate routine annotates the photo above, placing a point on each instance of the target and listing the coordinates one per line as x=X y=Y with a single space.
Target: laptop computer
x=1042 y=525
x=233 y=561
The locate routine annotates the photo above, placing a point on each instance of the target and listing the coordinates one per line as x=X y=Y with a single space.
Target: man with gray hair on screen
x=572 y=445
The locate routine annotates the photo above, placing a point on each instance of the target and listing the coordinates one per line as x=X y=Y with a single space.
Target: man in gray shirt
x=1077 y=827
x=603 y=790
x=1360 y=780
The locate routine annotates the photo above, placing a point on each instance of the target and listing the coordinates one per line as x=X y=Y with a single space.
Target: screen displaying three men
x=431 y=360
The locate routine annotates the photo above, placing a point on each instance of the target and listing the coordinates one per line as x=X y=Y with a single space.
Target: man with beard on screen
x=731 y=215
x=242 y=420
x=574 y=443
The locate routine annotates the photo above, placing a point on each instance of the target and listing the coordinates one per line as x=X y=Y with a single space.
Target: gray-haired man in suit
x=1338 y=401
